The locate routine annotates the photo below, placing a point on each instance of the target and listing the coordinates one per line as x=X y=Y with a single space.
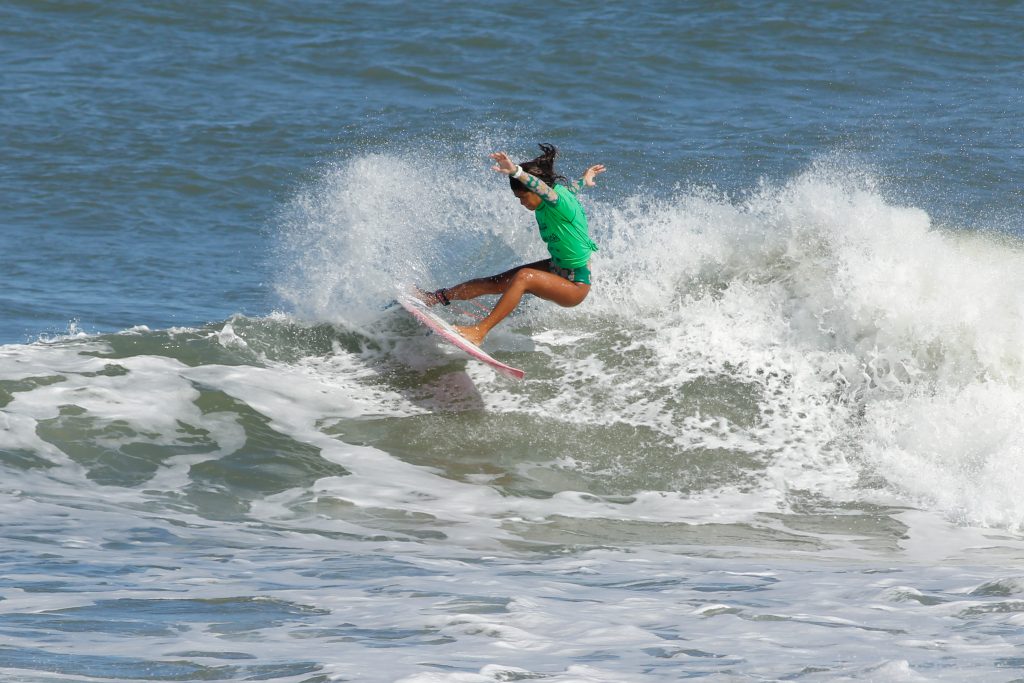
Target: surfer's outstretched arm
x=588 y=178
x=532 y=183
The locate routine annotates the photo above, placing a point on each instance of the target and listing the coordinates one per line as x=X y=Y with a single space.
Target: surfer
x=564 y=278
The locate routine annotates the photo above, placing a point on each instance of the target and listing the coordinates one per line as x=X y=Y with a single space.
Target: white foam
x=848 y=320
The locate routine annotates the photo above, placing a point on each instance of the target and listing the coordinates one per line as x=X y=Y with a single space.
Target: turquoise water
x=780 y=441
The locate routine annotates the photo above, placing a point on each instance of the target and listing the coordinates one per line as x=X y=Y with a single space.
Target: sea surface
x=782 y=439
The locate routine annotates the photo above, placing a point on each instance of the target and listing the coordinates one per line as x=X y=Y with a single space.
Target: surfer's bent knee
x=584 y=290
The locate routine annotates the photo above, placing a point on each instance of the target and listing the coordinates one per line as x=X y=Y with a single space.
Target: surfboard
x=422 y=312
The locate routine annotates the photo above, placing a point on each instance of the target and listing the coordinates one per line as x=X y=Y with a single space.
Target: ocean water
x=782 y=440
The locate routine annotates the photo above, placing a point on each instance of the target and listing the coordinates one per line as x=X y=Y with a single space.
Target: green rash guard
x=563 y=227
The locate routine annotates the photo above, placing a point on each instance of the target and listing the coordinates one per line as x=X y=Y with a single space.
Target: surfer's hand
x=503 y=164
x=588 y=175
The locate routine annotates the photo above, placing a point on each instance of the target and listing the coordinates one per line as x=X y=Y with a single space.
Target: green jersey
x=563 y=227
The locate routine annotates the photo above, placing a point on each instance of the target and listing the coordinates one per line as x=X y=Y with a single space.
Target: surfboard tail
x=442 y=328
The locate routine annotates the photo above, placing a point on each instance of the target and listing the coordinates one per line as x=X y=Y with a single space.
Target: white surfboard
x=422 y=312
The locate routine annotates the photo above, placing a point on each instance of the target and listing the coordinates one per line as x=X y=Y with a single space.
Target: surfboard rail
x=442 y=328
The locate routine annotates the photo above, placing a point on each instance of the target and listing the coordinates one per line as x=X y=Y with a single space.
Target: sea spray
x=789 y=324
x=379 y=221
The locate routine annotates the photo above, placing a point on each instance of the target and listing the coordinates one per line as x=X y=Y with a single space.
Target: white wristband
x=519 y=172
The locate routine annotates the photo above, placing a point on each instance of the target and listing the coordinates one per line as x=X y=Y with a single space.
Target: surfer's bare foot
x=472 y=333
x=431 y=298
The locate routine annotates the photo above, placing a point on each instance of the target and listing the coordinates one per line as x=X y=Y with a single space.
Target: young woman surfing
x=565 y=277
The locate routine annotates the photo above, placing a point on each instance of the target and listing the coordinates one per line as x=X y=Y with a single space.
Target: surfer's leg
x=481 y=286
x=525 y=280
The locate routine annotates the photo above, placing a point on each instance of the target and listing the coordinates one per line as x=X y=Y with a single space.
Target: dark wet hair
x=542 y=167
